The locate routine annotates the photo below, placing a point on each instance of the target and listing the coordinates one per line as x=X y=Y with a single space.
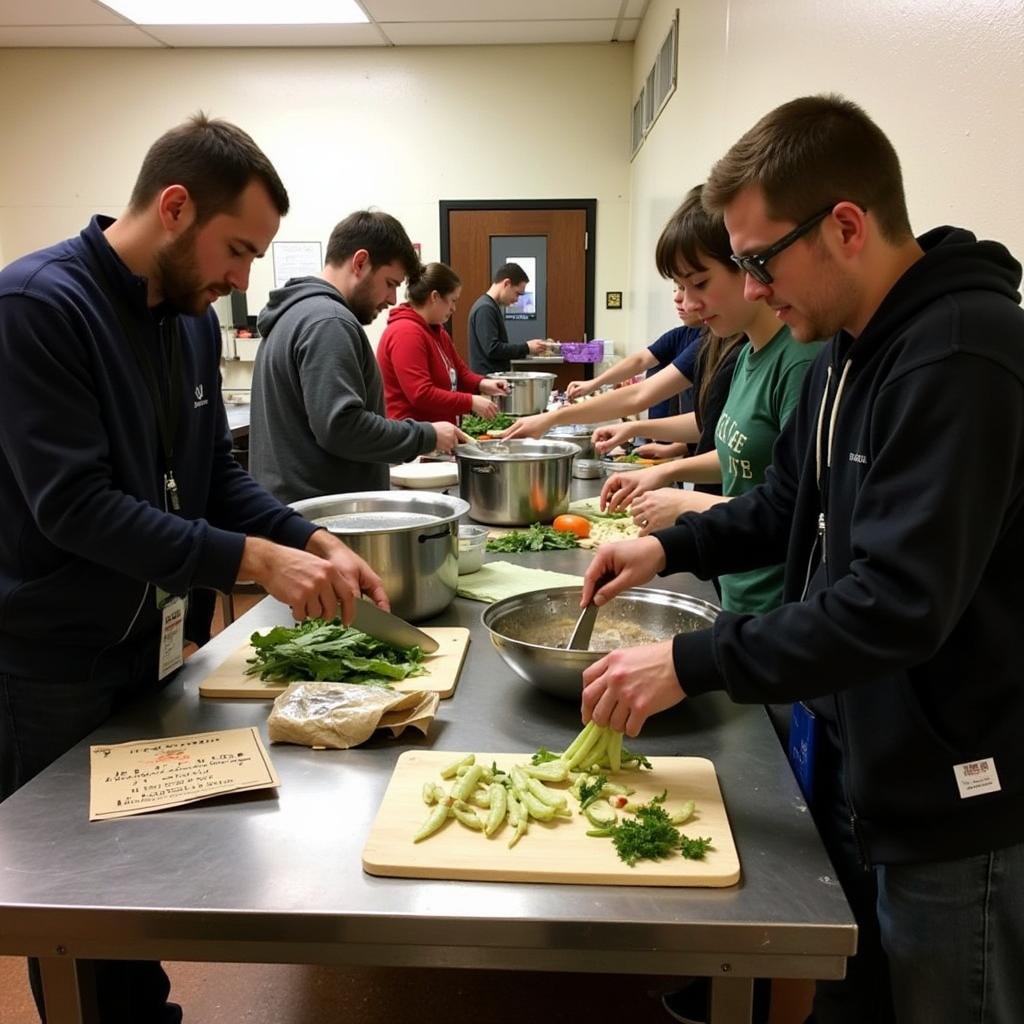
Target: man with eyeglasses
x=896 y=499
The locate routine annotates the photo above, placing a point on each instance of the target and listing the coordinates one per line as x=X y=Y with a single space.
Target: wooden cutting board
x=557 y=851
x=230 y=681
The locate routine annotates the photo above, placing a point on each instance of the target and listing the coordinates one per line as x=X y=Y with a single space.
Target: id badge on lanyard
x=453 y=377
x=172 y=631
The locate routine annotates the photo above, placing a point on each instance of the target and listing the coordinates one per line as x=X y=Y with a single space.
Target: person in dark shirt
x=902 y=604
x=490 y=351
x=118 y=490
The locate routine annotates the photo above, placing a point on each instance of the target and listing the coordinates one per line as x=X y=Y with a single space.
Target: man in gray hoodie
x=317 y=421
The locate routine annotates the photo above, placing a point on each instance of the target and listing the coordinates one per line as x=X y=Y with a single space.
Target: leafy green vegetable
x=631 y=457
x=630 y=757
x=652 y=836
x=543 y=756
x=694 y=849
x=329 y=651
x=591 y=790
x=534 y=538
x=477 y=425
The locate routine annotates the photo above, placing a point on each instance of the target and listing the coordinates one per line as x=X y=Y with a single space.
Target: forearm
x=431 y=401
x=499 y=351
x=362 y=436
x=670 y=428
x=638 y=362
x=699 y=469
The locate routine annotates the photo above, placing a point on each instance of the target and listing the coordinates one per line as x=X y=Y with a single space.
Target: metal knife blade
x=384 y=626
x=579 y=640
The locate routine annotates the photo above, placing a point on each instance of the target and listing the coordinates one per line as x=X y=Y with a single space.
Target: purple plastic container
x=582 y=351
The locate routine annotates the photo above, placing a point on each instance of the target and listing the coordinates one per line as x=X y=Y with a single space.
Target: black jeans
x=40 y=719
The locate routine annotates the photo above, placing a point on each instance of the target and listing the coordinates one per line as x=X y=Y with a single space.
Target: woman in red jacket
x=424 y=377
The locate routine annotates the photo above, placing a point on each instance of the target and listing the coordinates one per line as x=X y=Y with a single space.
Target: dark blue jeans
x=938 y=942
x=41 y=719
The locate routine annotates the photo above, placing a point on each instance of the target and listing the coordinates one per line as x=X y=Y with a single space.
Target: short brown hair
x=215 y=160
x=380 y=234
x=511 y=272
x=437 y=277
x=691 y=235
x=808 y=153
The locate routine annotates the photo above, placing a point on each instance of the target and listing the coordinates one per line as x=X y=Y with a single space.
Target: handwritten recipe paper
x=151 y=775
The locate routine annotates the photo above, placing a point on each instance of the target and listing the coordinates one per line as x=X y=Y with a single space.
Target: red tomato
x=573 y=524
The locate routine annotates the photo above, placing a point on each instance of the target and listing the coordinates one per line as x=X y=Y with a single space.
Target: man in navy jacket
x=118 y=491
x=896 y=499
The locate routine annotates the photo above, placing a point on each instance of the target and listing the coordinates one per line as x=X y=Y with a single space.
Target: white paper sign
x=150 y=775
x=295 y=259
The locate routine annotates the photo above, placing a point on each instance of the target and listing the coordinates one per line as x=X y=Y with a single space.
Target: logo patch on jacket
x=200 y=401
x=859 y=457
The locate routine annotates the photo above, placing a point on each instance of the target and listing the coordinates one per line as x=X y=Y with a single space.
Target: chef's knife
x=579 y=639
x=390 y=628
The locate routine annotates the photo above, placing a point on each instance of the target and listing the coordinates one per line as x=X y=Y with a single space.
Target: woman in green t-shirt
x=763 y=392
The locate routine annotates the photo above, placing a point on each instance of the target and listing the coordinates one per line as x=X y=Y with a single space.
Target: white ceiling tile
x=266 y=35
x=490 y=10
x=498 y=33
x=56 y=12
x=636 y=8
x=75 y=35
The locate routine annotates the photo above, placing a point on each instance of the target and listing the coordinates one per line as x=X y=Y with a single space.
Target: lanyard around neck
x=161 y=372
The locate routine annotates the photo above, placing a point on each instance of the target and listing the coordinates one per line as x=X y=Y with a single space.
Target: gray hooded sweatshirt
x=317 y=419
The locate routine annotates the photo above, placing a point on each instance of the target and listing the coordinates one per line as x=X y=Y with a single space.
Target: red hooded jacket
x=416 y=359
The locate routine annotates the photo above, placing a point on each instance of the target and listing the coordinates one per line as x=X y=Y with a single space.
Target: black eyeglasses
x=755 y=265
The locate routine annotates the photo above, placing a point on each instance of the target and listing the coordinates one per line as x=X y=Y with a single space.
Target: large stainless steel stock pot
x=509 y=483
x=410 y=539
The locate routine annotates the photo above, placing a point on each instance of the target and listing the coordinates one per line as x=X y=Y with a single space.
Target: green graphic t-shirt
x=764 y=392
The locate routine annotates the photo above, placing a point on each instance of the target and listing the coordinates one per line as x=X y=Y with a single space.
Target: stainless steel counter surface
x=276 y=876
x=238 y=417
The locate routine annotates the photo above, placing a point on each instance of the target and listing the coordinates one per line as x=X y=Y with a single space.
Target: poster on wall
x=295 y=259
x=525 y=307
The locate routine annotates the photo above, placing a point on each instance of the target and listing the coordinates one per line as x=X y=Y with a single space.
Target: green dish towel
x=498 y=580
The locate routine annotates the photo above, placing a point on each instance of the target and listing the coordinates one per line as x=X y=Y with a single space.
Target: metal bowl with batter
x=530 y=630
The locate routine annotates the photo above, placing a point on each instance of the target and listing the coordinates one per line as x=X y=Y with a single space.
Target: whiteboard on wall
x=295 y=259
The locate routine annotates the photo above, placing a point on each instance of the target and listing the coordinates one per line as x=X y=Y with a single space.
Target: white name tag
x=976 y=777
x=172 y=636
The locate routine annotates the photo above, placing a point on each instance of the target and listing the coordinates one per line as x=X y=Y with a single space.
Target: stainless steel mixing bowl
x=555 y=670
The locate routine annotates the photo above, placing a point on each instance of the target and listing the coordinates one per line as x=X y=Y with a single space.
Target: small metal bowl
x=512 y=621
x=586 y=469
x=610 y=466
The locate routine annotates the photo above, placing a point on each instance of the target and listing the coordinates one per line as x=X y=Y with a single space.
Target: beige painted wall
x=398 y=129
x=944 y=80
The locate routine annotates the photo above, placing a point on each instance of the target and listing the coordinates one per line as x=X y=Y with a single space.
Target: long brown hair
x=691 y=237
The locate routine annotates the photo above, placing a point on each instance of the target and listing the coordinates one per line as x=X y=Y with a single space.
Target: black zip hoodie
x=896 y=500
x=85 y=536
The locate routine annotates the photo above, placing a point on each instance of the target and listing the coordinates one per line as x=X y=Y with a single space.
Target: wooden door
x=466 y=247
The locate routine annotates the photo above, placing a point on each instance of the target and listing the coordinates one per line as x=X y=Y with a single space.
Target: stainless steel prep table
x=276 y=877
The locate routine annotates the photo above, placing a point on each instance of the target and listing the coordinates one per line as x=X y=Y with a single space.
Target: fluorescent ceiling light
x=239 y=12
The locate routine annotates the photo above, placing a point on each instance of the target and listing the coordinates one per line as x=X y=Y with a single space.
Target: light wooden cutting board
x=557 y=851
x=230 y=681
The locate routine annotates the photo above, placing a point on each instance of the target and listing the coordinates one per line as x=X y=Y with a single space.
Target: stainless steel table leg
x=732 y=1000
x=69 y=990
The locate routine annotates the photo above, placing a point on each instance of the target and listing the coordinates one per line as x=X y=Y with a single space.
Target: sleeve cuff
x=295 y=531
x=693 y=656
x=219 y=560
x=680 y=544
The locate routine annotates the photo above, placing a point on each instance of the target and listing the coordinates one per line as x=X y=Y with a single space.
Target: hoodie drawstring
x=831 y=420
x=825 y=456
